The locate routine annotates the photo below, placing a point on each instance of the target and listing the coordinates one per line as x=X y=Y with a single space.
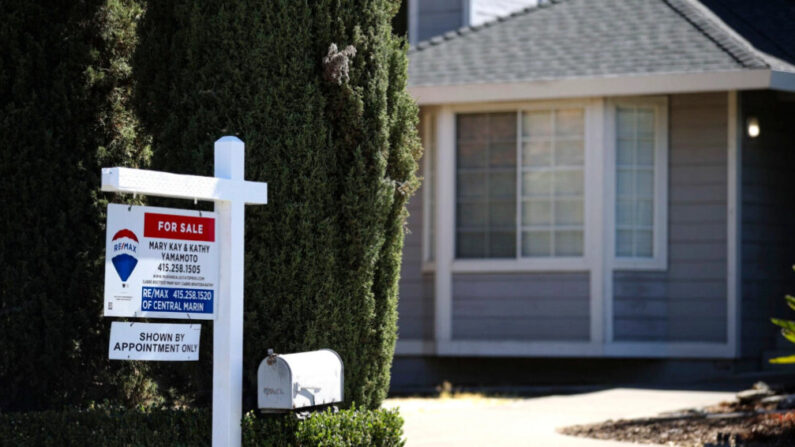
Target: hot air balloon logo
x=125 y=249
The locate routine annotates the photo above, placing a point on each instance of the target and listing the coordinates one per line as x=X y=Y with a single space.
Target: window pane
x=568 y=243
x=473 y=127
x=502 y=155
x=569 y=122
x=645 y=153
x=624 y=183
x=502 y=184
x=503 y=126
x=536 y=243
x=624 y=243
x=645 y=123
x=537 y=212
x=537 y=124
x=625 y=123
x=625 y=212
x=569 y=212
x=568 y=183
x=644 y=183
x=472 y=184
x=537 y=152
x=569 y=153
x=537 y=184
x=502 y=214
x=502 y=244
x=470 y=244
x=645 y=210
x=643 y=243
x=472 y=155
x=472 y=214
x=625 y=152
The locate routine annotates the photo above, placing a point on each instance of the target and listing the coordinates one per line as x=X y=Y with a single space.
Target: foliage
x=114 y=426
x=377 y=428
x=787 y=330
x=337 y=143
x=65 y=84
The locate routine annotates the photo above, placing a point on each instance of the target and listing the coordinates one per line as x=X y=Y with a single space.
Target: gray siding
x=521 y=306
x=437 y=17
x=687 y=302
x=768 y=219
x=415 y=303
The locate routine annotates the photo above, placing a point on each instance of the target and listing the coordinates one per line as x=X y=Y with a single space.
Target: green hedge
x=65 y=84
x=338 y=150
x=111 y=427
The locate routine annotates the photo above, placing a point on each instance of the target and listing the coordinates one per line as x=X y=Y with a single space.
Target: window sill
x=519 y=265
x=651 y=265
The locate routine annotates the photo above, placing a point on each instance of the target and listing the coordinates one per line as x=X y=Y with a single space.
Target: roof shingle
x=584 y=38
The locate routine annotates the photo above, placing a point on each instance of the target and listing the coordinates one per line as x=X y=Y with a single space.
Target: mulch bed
x=758 y=421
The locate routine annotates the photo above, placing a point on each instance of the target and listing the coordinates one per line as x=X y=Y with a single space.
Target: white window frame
x=659 y=260
x=592 y=141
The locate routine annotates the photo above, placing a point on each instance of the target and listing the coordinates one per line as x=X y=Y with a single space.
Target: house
x=608 y=180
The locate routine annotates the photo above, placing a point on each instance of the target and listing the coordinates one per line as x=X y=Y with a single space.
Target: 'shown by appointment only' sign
x=154 y=341
x=160 y=263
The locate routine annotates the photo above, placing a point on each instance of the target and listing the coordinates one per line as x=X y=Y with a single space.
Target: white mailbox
x=301 y=380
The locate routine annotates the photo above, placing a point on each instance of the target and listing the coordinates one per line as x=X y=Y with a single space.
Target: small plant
x=787 y=330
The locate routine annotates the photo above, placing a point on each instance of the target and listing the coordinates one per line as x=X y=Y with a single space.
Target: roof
x=575 y=39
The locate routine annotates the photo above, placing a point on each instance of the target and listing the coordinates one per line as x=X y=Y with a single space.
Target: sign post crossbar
x=231 y=193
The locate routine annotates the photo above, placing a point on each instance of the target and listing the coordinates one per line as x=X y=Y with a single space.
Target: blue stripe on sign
x=166 y=299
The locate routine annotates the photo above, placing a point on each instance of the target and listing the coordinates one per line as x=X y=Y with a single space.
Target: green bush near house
x=333 y=132
x=65 y=85
x=787 y=330
x=112 y=426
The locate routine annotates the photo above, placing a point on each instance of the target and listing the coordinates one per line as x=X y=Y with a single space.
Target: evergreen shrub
x=317 y=91
x=65 y=87
x=114 y=426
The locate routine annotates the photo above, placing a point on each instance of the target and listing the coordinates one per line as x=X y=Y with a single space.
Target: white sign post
x=231 y=193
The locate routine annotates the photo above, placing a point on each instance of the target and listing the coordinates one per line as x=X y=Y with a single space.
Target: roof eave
x=652 y=84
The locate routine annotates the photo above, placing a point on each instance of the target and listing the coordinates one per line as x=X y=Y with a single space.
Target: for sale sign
x=160 y=263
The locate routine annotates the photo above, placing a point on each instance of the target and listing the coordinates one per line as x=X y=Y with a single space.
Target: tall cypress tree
x=65 y=83
x=331 y=128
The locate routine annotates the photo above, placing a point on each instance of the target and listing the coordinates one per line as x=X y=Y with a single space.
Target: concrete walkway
x=483 y=421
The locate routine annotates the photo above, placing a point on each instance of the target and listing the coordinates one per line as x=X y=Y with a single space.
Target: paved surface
x=482 y=421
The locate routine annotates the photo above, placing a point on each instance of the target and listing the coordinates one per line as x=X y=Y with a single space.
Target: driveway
x=484 y=421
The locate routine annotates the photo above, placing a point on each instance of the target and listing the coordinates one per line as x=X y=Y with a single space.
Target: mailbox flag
x=125 y=250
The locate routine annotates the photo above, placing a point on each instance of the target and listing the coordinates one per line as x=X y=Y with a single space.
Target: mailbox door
x=275 y=385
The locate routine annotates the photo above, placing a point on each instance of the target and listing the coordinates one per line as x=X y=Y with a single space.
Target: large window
x=522 y=200
x=525 y=180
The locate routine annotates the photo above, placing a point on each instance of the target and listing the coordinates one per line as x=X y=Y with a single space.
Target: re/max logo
x=124 y=246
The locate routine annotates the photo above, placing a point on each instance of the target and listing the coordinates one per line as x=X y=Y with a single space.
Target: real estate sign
x=160 y=263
